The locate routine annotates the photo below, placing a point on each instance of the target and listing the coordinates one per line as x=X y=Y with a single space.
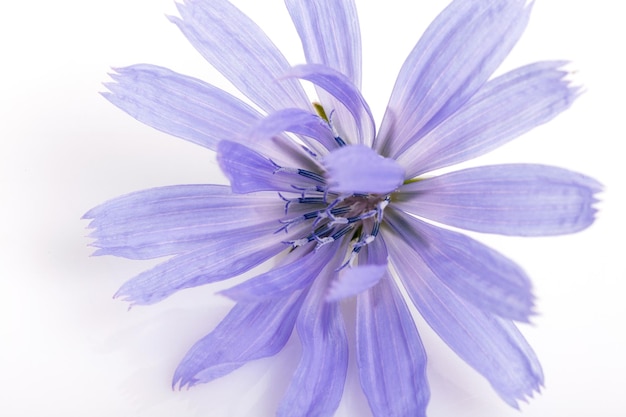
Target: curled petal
x=491 y=345
x=456 y=55
x=502 y=110
x=330 y=34
x=516 y=199
x=472 y=270
x=353 y=281
x=300 y=122
x=342 y=89
x=358 y=169
x=241 y=51
x=175 y=219
x=249 y=331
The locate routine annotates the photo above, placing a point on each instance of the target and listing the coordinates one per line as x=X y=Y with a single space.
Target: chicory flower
x=345 y=208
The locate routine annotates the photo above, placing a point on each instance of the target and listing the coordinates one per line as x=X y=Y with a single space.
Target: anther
x=311 y=175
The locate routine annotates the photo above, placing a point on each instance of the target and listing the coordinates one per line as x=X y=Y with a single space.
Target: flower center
x=332 y=216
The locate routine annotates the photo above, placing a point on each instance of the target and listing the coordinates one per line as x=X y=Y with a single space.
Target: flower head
x=346 y=206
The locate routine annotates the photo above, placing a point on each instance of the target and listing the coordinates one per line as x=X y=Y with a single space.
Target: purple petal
x=180 y=105
x=492 y=346
x=176 y=219
x=503 y=109
x=341 y=88
x=473 y=271
x=298 y=271
x=352 y=281
x=250 y=331
x=358 y=169
x=390 y=355
x=249 y=171
x=330 y=34
x=317 y=385
x=300 y=122
x=219 y=259
x=241 y=51
x=519 y=199
x=453 y=59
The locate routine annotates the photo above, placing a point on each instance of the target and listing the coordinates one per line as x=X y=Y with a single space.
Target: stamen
x=363 y=216
x=297 y=220
x=337 y=215
x=287 y=202
x=320 y=232
x=376 y=229
x=299 y=171
x=380 y=208
x=364 y=241
x=336 y=202
x=320 y=111
x=342 y=232
x=276 y=166
x=339 y=220
x=340 y=210
x=300 y=200
x=304 y=190
x=311 y=200
x=329 y=239
x=311 y=175
x=321 y=241
x=297 y=243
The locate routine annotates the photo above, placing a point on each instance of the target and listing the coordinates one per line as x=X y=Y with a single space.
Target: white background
x=68 y=349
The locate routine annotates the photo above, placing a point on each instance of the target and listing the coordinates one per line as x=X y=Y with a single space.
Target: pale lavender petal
x=492 y=346
x=516 y=199
x=341 y=87
x=180 y=105
x=249 y=171
x=298 y=271
x=298 y=121
x=358 y=169
x=390 y=355
x=330 y=34
x=241 y=51
x=351 y=281
x=317 y=385
x=376 y=253
x=456 y=55
x=176 y=219
x=250 y=331
x=502 y=110
x=219 y=259
x=355 y=280
x=472 y=270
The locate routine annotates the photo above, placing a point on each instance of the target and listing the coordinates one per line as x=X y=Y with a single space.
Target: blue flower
x=345 y=208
